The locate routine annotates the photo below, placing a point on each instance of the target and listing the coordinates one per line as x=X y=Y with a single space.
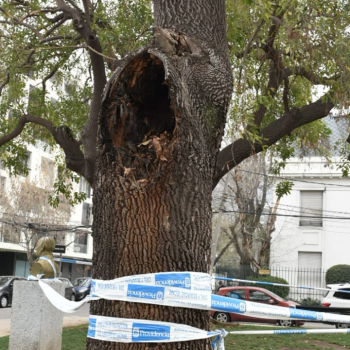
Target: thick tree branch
x=89 y=131
x=242 y=148
x=62 y=19
x=57 y=18
x=74 y=157
x=276 y=70
x=74 y=5
x=87 y=7
x=313 y=78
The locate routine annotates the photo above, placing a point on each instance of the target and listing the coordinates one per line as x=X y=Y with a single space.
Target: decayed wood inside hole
x=143 y=121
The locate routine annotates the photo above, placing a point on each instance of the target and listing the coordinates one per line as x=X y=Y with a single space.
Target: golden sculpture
x=45 y=266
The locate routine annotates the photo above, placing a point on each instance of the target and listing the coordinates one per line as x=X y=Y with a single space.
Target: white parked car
x=334 y=298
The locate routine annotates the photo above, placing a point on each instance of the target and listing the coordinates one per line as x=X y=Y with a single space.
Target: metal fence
x=294 y=276
x=302 y=277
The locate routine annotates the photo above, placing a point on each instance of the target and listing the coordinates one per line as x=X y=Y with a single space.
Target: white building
x=76 y=261
x=315 y=231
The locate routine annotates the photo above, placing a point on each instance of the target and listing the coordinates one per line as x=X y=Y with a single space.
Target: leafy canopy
x=46 y=71
x=281 y=53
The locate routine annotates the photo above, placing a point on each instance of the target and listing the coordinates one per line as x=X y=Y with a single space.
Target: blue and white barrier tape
x=126 y=330
x=187 y=290
x=73 y=261
x=134 y=331
x=279 y=284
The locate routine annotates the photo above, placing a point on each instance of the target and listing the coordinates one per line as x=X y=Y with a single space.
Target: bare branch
x=248 y=47
x=227 y=245
x=313 y=78
x=63 y=19
x=37 y=12
x=17 y=21
x=54 y=38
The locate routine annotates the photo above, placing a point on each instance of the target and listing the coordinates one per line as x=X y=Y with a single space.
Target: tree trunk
x=160 y=129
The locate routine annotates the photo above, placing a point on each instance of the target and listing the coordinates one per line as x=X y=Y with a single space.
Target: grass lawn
x=285 y=341
x=74 y=339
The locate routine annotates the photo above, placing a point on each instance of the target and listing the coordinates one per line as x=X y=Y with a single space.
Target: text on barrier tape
x=187 y=290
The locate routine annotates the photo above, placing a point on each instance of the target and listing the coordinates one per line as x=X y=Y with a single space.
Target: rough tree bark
x=160 y=128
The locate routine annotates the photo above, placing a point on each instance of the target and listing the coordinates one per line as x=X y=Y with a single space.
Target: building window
x=310 y=269
x=68 y=88
x=311 y=203
x=85 y=187
x=48 y=171
x=9 y=234
x=87 y=214
x=2 y=184
x=14 y=113
x=34 y=99
x=26 y=164
x=80 y=242
x=30 y=73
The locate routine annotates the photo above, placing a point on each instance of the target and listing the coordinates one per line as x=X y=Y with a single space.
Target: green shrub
x=310 y=302
x=281 y=291
x=338 y=274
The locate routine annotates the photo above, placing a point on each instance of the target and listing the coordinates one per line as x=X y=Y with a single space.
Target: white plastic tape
x=183 y=289
x=134 y=331
x=59 y=301
x=187 y=290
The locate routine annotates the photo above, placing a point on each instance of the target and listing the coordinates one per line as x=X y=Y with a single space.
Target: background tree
x=148 y=142
x=26 y=215
x=252 y=214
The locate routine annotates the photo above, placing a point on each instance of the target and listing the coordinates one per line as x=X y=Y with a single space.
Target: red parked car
x=258 y=295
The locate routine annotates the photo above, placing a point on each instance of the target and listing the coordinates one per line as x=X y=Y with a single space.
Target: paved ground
x=69 y=320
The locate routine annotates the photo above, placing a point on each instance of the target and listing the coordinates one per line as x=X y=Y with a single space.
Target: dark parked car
x=6 y=289
x=258 y=295
x=69 y=292
x=82 y=286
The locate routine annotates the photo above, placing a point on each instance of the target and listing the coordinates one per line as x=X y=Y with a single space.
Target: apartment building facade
x=76 y=261
x=313 y=226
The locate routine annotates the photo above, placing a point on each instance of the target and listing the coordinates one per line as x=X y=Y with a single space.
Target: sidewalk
x=70 y=321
